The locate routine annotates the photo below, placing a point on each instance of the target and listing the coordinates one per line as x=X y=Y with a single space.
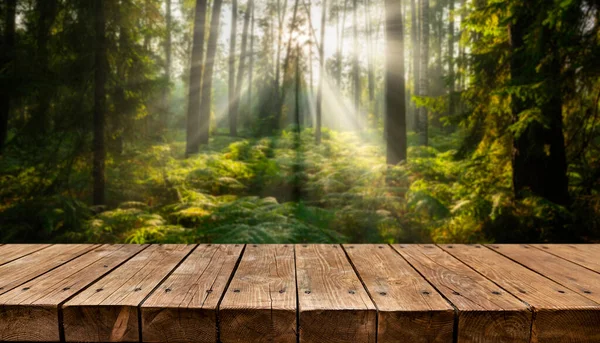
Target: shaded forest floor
x=268 y=190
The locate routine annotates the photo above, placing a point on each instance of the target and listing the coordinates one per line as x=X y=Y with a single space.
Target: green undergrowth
x=278 y=189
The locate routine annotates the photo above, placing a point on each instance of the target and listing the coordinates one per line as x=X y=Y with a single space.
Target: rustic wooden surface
x=308 y=293
x=486 y=312
x=184 y=307
x=560 y=315
x=107 y=311
x=410 y=310
x=333 y=304
x=260 y=303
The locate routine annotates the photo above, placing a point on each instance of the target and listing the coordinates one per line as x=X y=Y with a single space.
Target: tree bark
x=451 y=81
x=164 y=115
x=211 y=51
x=193 y=115
x=241 y=69
x=416 y=59
x=7 y=56
x=370 y=67
x=100 y=75
x=251 y=68
x=355 y=64
x=395 y=88
x=424 y=77
x=231 y=84
x=321 y=74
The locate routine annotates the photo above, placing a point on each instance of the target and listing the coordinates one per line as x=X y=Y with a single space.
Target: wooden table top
x=307 y=293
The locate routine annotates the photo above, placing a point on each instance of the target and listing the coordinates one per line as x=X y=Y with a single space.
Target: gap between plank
x=139 y=306
x=51 y=269
x=569 y=288
x=61 y=324
x=455 y=323
x=14 y=259
x=235 y=268
x=366 y=289
x=562 y=258
x=529 y=307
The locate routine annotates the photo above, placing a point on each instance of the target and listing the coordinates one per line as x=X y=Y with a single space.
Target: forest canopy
x=267 y=121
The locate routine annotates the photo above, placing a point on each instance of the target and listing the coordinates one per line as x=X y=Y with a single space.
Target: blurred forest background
x=263 y=121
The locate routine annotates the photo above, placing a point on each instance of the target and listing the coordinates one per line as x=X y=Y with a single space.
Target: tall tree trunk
x=395 y=88
x=341 y=46
x=539 y=159
x=321 y=73
x=356 y=65
x=164 y=115
x=7 y=56
x=242 y=66
x=416 y=59
x=123 y=56
x=251 y=68
x=211 y=52
x=231 y=84
x=193 y=115
x=424 y=77
x=286 y=62
x=281 y=12
x=47 y=10
x=100 y=75
x=451 y=81
x=370 y=67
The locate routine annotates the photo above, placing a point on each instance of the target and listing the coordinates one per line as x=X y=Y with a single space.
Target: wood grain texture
x=21 y=270
x=410 y=310
x=107 y=311
x=184 y=307
x=333 y=304
x=558 y=317
x=572 y=276
x=260 y=303
x=586 y=255
x=30 y=312
x=486 y=313
x=12 y=252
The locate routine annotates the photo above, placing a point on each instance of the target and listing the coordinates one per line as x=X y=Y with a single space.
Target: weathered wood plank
x=260 y=303
x=12 y=252
x=568 y=274
x=486 y=313
x=587 y=255
x=184 y=307
x=559 y=317
x=107 y=311
x=409 y=309
x=21 y=270
x=30 y=312
x=333 y=304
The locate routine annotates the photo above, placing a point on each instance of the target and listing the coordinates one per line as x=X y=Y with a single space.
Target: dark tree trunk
x=341 y=47
x=47 y=10
x=321 y=74
x=355 y=64
x=211 y=52
x=416 y=59
x=424 y=77
x=370 y=67
x=451 y=81
x=164 y=115
x=100 y=75
x=193 y=115
x=395 y=88
x=251 y=68
x=539 y=159
x=241 y=69
x=231 y=83
x=7 y=56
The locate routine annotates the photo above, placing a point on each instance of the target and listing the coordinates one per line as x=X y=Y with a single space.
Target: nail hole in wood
x=425 y=293
x=522 y=291
x=496 y=293
x=99 y=290
x=351 y=292
x=306 y=292
x=561 y=292
x=66 y=288
x=281 y=291
x=455 y=293
x=137 y=289
x=450 y=247
x=209 y=291
x=167 y=290
x=105 y=266
x=587 y=292
x=236 y=291
x=254 y=245
x=380 y=247
x=26 y=288
x=383 y=293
